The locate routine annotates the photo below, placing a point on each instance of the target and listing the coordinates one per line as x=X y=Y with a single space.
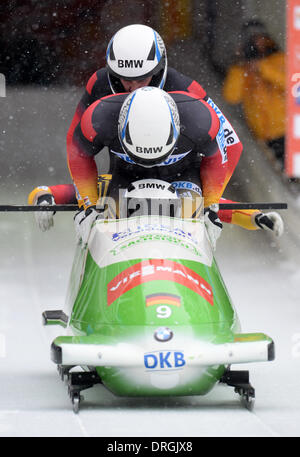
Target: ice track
x=34 y=401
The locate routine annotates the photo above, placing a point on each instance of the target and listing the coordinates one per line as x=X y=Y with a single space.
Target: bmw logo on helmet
x=148 y=126
x=163 y=334
x=136 y=52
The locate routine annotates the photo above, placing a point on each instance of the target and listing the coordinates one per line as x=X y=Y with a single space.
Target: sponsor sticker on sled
x=187 y=185
x=163 y=334
x=164 y=360
x=157 y=270
x=149 y=237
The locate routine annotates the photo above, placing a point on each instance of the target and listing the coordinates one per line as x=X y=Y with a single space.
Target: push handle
x=228 y=206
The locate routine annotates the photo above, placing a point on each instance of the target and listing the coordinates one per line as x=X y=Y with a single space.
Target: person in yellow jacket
x=257 y=81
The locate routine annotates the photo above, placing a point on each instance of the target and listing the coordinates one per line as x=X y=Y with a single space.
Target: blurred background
x=63 y=42
x=49 y=49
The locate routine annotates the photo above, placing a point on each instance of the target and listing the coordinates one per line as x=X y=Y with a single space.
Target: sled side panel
x=147 y=292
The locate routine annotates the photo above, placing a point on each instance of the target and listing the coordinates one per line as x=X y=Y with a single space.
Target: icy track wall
x=33 y=150
x=255 y=179
x=34 y=124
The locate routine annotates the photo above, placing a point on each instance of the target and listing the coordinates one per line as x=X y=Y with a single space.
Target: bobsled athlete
x=149 y=134
x=136 y=57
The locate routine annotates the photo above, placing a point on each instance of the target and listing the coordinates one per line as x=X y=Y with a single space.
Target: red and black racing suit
x=197 y=163
x=230 y=145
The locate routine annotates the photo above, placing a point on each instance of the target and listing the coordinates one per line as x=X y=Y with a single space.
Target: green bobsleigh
x=148 y=314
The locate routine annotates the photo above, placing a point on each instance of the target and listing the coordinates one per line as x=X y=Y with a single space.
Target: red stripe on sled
x=157 y=270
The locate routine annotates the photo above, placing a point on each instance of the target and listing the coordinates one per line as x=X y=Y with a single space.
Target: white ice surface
x=34 y=401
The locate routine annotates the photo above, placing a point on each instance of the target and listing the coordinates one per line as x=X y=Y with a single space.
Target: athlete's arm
x=214 y=165
x=252 y=219
x=62 y=194
x=96 y=88
x=230 y=140
x=65 y=193
x=81 y=149
x=243 y=218
x=213 y=175
x=176 y=81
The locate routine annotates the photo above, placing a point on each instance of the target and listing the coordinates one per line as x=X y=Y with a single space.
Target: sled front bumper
x=245 y=348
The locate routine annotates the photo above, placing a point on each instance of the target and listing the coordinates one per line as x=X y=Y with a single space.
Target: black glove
x=83 y=222
x=270 y=221
x=44 y=219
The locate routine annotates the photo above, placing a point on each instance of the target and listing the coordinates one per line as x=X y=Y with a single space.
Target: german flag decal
x=163 y=299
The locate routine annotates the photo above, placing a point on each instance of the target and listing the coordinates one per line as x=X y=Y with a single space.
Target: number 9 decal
x=163 y=311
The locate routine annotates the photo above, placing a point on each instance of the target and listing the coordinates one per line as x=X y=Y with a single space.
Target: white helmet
x=149 y=126
x=151 y=197
x=136 y=52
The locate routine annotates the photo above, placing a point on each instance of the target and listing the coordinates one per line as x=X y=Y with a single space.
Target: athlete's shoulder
x=114 y=98
x=178 y=81
x=108 y=102
x=195 y=114
x=100 y=118
x=98 y=84
x=182 y=97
